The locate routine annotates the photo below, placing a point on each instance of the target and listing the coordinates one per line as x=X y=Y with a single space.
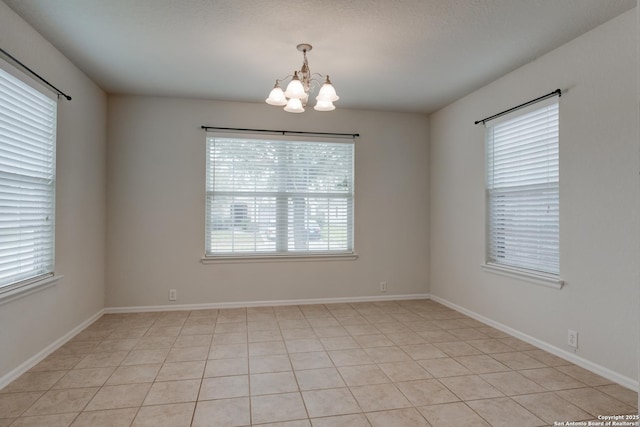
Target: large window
x=271 y=197
x=27 y=183
x=522 y=190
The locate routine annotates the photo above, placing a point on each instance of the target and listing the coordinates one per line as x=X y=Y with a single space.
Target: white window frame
x=524 y=262
x=282 y=199
x=31 y=280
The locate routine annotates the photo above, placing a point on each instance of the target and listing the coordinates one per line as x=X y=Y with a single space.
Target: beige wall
x=599 y=200
x=35 y=321
x=155 y=211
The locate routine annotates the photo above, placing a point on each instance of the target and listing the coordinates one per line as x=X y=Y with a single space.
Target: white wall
x=33 y=322
x=599 y=200
x=155 y=209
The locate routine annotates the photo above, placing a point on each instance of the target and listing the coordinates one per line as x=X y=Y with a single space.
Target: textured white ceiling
x=406 y=55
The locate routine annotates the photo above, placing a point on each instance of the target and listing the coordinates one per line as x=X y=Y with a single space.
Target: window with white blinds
x=522 y=190
x=272 y=197
x=27 y=183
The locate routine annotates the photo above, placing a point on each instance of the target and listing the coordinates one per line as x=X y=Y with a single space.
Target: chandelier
x=295 y=97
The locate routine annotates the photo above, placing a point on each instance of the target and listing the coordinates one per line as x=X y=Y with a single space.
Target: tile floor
x=386 y=364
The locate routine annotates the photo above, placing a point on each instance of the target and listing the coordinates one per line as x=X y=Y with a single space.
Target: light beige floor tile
x=350 y=357
x=173 y=392
x=490 y=346
x=379 y=397
x=409 y=417
x=387 y=354
x=623 y=394
x=277 y=407
x=57 y=362
x=231 y=327
x=363 y=375
x=444 y=367
x=315 y=379
x=228 y=351
x=551 y=379
x=426 y=392
x=264 y=336
x=231 y=338
x=406 y=338
x=331 y=331
x=267 y=348
x=266 y=364
x=423 y=351
x=551 y=408
x=100 y=360
x=335 y=401
x=79 y=378
x=135 y=374
x=470 y=387
x=108 y=418
x=128 y=333
x=58 y=420
x=79 y=347
x=468 y=334
x=197 y=330
x=222 y=413
x=512 y=383
x=296 y=423
x=117 y=345
x=362 y=329
x=518 y=360
x=303 y=345
x=119 y=396
x=224 y=387
x=452 y=415
x=293 y=324
x=437 y=336
x=163 y=331
x=313 y=360
x=482 y=364
x=582 y=375
x=192 y=341
x=272 y=383
x=175 y=415
x=504 y=412
x=404 y=371
x=59 y=401
x=354 y=420
x=34 y=381
x=146 y=357
x=226 y=367
x=517 y=344
x=595 y=402
x=296 y=334
x=457 y=348
x=378 y=340
x=547 y=358
x=153 y=343
x=339 y=343
x=181 y=371
x=187 y=354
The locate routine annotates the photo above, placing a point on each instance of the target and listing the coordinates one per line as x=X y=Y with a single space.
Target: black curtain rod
x=533 y=101
x=285 y=132
x=14 y=59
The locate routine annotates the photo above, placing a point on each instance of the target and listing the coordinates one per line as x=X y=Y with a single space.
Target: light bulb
x=294 y=106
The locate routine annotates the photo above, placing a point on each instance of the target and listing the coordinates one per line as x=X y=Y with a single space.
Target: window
x=272 y=197
x=27 y=183
x=522 y=190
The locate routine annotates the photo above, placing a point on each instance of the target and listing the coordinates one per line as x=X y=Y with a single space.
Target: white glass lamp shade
x=295 y=88
x=327 y=92
x=294 y=106
x=324 y=106
x=276 y=96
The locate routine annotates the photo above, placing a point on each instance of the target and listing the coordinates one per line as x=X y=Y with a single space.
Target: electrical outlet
x=572 y=339
x=383 y=286
x=173 y=295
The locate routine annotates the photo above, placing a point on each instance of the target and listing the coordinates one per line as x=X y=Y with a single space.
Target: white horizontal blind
x=27 y=182
x=522 y=190
x=278 y=197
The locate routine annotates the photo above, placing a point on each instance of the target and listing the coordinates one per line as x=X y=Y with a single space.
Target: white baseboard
x=42 y=354
x=242 y=304
x=584 y=363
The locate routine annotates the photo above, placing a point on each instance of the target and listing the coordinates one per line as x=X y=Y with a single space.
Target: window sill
x=278 y=258
x=16 y=292
x=542 y=279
